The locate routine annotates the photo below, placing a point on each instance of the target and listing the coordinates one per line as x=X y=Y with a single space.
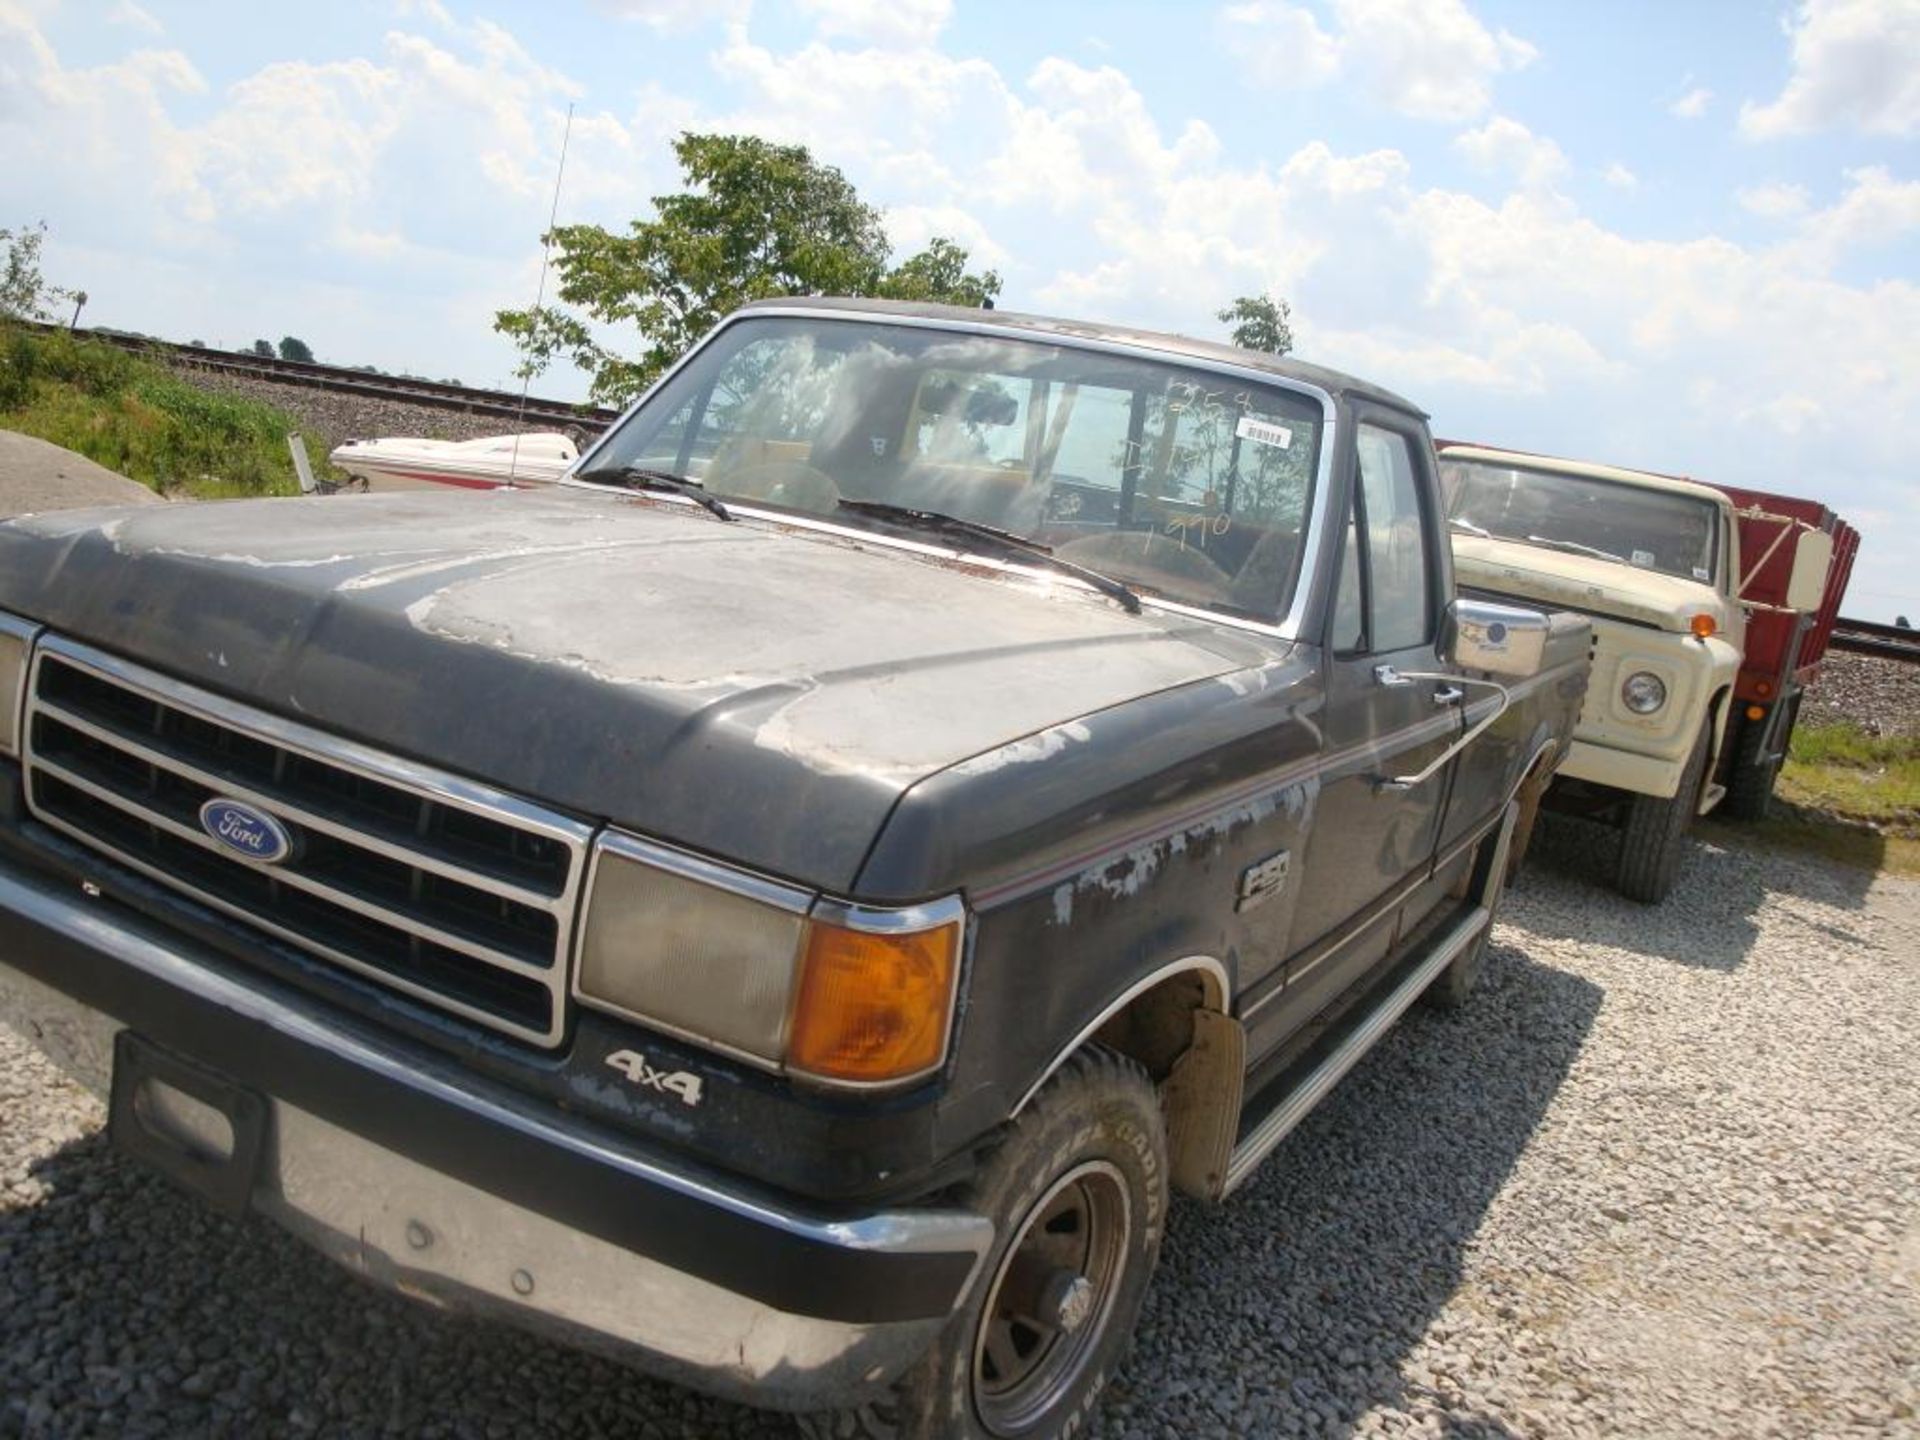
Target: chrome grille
x=449 y=891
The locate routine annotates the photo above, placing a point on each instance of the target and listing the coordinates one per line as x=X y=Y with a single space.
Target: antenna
x=540 y=292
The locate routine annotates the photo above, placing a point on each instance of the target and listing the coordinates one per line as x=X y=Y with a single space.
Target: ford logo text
x=244 y=831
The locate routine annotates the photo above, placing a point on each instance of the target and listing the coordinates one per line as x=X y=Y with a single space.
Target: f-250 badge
x=633 y=1065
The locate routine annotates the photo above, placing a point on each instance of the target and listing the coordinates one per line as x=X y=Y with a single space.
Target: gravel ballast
x=1659 y=1177
x=333 y=417
x=1881 y=696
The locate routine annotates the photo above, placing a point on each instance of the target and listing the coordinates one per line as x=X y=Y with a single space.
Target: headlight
x=16 y=644
x=771 y=974
x=1643 y=692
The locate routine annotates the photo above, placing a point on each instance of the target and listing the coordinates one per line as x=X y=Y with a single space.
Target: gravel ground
x=1659 y=1178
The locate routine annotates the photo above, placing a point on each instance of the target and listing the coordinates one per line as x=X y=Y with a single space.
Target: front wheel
x=1653 y=843
x=1078 y=1195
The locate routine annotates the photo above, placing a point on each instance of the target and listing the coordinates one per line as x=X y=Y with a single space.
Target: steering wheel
x=792 y=483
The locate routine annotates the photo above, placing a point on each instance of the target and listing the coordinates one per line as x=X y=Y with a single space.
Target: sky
x=1676 y=236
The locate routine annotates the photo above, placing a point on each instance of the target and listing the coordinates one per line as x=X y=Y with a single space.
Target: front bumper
x=1623 y=770
x=430 y=1181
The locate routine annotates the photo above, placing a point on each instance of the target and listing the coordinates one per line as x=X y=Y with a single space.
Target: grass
x=136 y=417
x=1851 y=796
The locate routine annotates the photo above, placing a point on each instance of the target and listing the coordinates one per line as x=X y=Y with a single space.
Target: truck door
x=1371 y=845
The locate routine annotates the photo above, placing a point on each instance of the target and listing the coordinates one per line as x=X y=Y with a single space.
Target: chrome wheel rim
x=1051 y=1298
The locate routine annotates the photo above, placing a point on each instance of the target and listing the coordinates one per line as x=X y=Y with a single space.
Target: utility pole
x=79 y=303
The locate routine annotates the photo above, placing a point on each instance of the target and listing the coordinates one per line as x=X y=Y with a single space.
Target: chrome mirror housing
x=1509 y=641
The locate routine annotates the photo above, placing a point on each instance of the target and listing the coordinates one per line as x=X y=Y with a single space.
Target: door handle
x=1449 y=695
x=1505 y=698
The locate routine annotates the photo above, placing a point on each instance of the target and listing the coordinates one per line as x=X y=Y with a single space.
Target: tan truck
x=1654 y=564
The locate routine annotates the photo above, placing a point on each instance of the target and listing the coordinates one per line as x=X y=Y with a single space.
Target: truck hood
x=1579 y=582
x=756 y=691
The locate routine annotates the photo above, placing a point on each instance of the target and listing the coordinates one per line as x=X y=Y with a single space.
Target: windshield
x=1180 y=482
x=1651 y=529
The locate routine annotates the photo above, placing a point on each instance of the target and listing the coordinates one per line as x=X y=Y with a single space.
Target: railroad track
x=1868 y=637
x=439 y=394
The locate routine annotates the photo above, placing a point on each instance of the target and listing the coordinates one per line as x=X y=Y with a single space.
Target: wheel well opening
x=1180 y=1033
x=1155 y=1028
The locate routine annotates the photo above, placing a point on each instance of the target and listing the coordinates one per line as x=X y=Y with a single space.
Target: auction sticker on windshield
x=1263 y=432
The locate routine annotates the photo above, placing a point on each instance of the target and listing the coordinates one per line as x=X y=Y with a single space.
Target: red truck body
x=1784 y=647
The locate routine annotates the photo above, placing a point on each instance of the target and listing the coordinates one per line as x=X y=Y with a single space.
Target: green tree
x=939 y=273
x=262 y=348
x=24 y=295
x=755 y=220
x=1260 y=323
x=292 y=347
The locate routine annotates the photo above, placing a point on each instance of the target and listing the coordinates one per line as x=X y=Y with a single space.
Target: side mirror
x=1505 y=640
x=1807 y=585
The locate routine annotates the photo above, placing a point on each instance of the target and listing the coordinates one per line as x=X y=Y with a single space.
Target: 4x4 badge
x=633 y=1065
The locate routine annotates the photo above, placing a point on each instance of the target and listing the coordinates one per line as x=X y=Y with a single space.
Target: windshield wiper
x=1576 y=548
x=639 y=477
x=1459 y=523
x=953 y=525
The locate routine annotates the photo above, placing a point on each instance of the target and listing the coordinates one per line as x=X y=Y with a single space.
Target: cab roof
x=1176 y=347
x=1591 y=470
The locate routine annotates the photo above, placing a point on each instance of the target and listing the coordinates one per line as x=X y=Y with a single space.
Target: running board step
x=1365 y=1033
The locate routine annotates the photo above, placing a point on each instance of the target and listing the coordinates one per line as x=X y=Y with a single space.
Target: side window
x=1349 y=609
x=1398 y=589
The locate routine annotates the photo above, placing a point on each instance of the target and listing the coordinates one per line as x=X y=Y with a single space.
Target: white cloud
x=1505 y=147
x=1875 y=210
x=1280 y=46
x=1775 y=200
x=1428 y=59
x=1431 y=59
x=668 y=16
x=893 y=24
x=1693 y=104
x=133 y=17
x=910 y=227
x=1855 y=63
x=1620 y=177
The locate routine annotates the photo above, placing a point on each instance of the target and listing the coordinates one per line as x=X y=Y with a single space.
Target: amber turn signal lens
x=873 y=1007
x=1703 y=625
x=1756 y=712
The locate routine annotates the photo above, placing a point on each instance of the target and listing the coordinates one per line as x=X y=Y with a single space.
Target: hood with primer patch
x=755 y=691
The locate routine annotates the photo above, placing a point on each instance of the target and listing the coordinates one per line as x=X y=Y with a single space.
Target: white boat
x=405 y=463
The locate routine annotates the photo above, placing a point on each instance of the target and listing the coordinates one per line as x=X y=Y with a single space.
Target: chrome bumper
x=413 y=1228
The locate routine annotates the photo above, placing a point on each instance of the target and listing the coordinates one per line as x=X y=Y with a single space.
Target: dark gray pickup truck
x=791 y=901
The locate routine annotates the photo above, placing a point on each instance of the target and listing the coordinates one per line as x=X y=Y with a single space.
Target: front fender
x=1697 y=673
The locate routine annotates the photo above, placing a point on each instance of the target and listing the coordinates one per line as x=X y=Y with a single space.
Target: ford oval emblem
x=244 y=831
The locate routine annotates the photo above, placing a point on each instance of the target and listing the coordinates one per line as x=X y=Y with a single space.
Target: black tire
x=1095 y=1128
x=1653 y=843
x=1750 y=780
x=1456 y=982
